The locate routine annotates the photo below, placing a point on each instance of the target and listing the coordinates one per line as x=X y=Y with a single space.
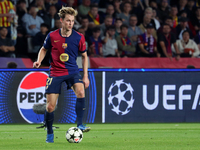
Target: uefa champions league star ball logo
x=120 y=97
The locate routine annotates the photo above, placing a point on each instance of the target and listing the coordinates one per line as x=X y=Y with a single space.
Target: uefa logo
x=31 y=91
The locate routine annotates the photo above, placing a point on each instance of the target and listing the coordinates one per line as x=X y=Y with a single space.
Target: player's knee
x=81 y=94
x=50 y=108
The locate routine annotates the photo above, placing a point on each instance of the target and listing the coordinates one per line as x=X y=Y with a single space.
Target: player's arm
x=41 y=56
x=85 y=69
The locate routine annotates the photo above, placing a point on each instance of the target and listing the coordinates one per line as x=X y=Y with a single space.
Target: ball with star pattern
x=74 y=135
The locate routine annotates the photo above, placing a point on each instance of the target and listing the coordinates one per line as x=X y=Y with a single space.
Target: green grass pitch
x=133 y=136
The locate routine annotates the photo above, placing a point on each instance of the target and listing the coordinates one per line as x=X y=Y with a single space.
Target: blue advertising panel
x=151 y=97
x=20 y=90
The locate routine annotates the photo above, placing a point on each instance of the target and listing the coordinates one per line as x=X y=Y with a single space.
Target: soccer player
x=64 y=44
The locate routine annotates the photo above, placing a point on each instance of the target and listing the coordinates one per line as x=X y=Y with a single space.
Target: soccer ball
x=74 y=135
x=120 y=97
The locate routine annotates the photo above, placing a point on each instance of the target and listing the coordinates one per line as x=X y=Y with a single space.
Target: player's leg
x=49 y=115
x=53 y=88
x=80 y=105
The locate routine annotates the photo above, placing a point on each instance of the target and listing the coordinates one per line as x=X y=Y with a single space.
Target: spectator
x=146 y=21
x=118 y=23
x=41 y=8
x=58 y=24
x=111 y=12
x=94 y=18
x=137 y=10
x=125 y=13
x=21 y=10
x=182 y=27
x=110 y=48
x=153 y=4
x=163 y=10
x=39 y=38
x=155 y=18
x=104 y=4
x=11 y=65
x=84 y=8
x=107 y=22
x=197 y=38
x=5 y=16
x=85 y=25
x=190 y=67
x=133 y=30
x=173 y=14
x=51 y=17
x=190 y=8
x=95 y=45
x=196 y=19
x=154 y=21
x=186 y=46
x=32 y=21
x=147 y=43
x=70 y=3
x=165 y=41
x=48 y=3
x=6 y=46
x=182 y=5
x=168 y=20
x=125 y=47
x=116 y=4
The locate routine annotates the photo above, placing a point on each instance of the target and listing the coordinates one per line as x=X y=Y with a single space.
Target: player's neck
x=66 y=33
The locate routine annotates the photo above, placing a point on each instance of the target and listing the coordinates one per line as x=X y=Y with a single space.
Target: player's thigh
x=53 y=85
x=79 y=90
x=52 y=99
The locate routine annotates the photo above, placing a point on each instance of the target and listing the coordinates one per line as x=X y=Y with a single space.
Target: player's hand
x=86 y=82
x=36 y=64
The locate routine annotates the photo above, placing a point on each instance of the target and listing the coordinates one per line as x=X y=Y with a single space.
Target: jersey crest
x=64 y=45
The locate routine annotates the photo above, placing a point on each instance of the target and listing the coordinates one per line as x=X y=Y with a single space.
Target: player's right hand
x=36 y=64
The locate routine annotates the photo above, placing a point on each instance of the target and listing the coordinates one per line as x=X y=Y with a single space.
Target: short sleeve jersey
x=64 y=52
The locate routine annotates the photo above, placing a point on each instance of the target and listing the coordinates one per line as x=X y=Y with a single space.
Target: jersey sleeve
x=47 y=42
x=82 y=45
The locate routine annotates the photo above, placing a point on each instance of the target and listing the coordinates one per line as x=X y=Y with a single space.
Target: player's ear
x=61 y=20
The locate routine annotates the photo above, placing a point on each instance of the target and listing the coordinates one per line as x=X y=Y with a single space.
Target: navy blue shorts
x=53 y=84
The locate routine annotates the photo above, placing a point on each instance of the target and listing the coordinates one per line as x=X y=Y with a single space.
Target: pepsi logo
x=31 y=91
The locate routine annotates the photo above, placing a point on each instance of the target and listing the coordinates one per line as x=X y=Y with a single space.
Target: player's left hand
x=86 y=82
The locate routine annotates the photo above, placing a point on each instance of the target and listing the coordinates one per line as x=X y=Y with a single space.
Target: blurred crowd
x=112 y=28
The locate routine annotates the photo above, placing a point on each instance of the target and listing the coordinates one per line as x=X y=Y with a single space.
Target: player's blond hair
x=67 y=11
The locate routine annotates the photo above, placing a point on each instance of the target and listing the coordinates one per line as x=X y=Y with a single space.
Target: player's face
x=67 y=22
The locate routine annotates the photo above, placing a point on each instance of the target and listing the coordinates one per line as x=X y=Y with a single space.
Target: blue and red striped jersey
x=64 y=52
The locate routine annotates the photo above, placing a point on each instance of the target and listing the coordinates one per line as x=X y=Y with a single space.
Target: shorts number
x=49 y=80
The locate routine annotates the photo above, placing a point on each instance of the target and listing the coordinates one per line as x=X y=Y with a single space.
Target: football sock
x=49 y=121
x=80 y=108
